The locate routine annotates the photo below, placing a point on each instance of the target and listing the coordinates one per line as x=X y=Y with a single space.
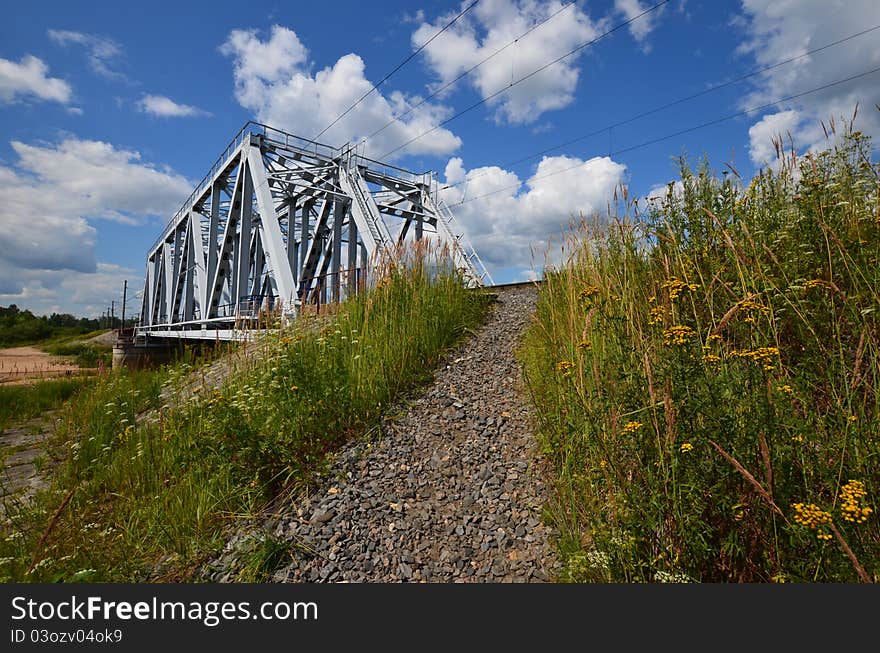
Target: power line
x=668 y=105
x=680 y=133
x=398 y=67
x=526 y=77
x=470 y=70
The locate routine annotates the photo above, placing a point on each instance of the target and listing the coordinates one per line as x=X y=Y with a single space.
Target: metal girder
x=277 y=218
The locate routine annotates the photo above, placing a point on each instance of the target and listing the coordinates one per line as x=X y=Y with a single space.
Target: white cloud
x=767 y=130
x=660 y=192
x=82 y=294
x=165 y=107
x=492 y=25
x=29 y=78
x=641 y=27
x=103 y=53
x=527 y=274
x=417 y=17
x=274 y=81
x=519 y=222
x=780 y=29
x=95 y=179
x=51 y=195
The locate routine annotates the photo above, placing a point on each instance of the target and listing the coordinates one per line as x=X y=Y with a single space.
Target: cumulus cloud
x=49 y=199
x=780 y=30
x=509 y=220
x=95 y=179
x=29 y=78
x=273 y=79
x=492 y=25
x=639 y=27
x=767 y=130
x=164 y=107
x=102 y=53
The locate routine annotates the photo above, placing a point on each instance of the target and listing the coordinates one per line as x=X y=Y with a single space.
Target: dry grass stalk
x=751 y=479
x=730 y=313
x=849 y=554
x=857 y=367
x=669 y=411
x=49 y=528
x=768 y=469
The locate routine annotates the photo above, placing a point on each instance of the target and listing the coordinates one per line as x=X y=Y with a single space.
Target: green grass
x=75 y=346
x=19 y=403
x=132 y=499
x=706 y=371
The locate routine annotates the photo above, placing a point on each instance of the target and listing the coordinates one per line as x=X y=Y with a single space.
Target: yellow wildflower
x=763 y=355
x=584 y=345
x=749 y=305
x=587 y=293
x=852 y=495
x=813 y=517
x=687 y=446
x=126 y=434
x=852 y=419
x=785 y=388
x=631 y=427
x=656 y=315
x=676 y=286
x=678 y=335
x=564 y=367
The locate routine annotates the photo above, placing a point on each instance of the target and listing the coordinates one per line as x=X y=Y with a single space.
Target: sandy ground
x=18 y=364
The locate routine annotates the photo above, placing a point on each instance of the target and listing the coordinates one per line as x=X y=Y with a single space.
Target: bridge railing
x=202 y=185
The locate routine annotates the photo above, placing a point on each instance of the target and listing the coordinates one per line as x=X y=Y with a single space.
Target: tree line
x=22 y=326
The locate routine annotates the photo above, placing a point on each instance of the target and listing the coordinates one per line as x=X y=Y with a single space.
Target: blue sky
x=110 y=112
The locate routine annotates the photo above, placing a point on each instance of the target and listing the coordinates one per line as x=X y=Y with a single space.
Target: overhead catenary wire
x=467 y=72
x=397 y=68
x=668 y=105
x=538 y=70
x=680 y=132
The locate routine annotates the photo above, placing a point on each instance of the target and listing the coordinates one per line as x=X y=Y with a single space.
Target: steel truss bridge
x=280 y=222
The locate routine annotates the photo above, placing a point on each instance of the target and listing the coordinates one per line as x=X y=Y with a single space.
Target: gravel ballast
x=450 y=492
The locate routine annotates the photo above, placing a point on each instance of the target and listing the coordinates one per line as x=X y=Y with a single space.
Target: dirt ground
x=24 y=364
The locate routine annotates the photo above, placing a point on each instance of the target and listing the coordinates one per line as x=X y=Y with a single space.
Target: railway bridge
x=280 y=222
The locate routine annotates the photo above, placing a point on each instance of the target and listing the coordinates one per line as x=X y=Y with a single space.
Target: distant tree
x=22 y=326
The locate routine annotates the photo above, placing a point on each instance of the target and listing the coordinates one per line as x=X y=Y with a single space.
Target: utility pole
x=112 y=313
x=124 y=290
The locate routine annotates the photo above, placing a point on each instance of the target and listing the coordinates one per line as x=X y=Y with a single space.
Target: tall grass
x=707 y=380
x=152 y=500
x=80 y=347
x=19 y=403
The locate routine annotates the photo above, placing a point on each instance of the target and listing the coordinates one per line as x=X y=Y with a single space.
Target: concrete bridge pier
x=132 y=354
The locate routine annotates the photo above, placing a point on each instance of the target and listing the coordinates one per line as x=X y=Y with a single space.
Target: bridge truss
x=280 y=222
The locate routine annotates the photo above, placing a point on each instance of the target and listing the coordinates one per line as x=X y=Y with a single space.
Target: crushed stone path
x=451 y=492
